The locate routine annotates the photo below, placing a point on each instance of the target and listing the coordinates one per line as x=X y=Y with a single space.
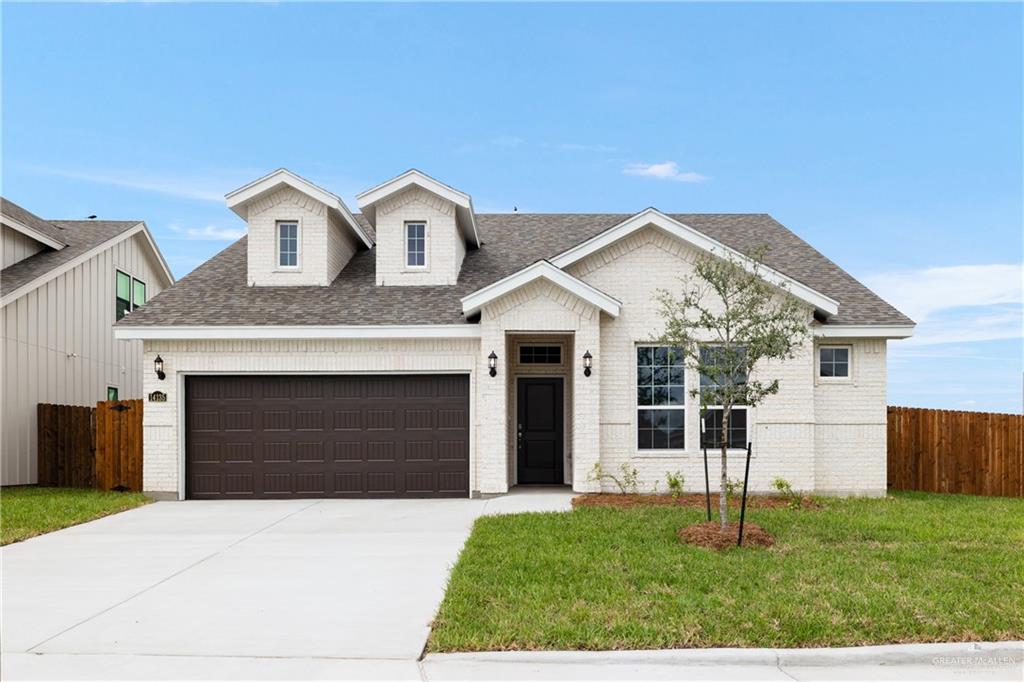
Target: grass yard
x=913 y=567
x=28 y=511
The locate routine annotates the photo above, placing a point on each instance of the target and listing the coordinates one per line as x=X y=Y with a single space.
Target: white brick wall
x=324 y=245
x=632 y=271
x=828 y=437
x=850 y=422
x=537 y=307
x=445 y=245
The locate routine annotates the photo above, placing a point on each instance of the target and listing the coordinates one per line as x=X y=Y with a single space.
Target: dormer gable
x=299 y=234
x=423 y=228
x=25 y=234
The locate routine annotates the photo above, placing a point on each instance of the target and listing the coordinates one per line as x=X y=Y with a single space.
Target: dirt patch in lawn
x=709 y=534
x=694 y=501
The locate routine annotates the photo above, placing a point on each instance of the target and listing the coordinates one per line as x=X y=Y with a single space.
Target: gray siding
x=15 y=246
x=59 y=347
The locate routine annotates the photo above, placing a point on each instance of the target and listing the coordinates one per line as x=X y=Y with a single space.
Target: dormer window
x=288 y=244
x=416 y=245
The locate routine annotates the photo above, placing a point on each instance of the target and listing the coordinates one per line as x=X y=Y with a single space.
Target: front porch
x=538 y=415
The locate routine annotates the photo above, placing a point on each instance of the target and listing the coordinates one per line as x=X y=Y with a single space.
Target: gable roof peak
x=465 y=215
x=31 y=225
x=238 y=200
x=652 y=217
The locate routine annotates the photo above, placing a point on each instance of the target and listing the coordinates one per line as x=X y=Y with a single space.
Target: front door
x=539 y=430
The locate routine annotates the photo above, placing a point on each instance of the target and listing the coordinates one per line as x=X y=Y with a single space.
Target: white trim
x=366 y=200
x=159 y=256
x=654 y=217
x=422 y=331
x=81 y=258
x=239 y=198
x=426 y=250
x=880 y=331
x=818 y=378
x=298 y=245
x=541 y=269
x=31 y=232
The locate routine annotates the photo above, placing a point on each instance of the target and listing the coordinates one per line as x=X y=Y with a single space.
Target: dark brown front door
x=326 y=436
x=539 y=430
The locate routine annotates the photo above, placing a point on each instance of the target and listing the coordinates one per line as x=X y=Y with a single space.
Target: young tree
x=726 y=320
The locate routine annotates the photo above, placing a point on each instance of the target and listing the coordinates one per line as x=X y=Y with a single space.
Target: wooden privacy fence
x=91 y=447
x=945 y=451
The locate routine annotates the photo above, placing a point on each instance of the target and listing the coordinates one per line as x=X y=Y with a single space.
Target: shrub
x=732 y=486
x=785 y=489
x=628 y=482
x=675 y=483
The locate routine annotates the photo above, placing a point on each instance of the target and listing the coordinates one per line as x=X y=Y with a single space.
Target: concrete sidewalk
x=905 y=663
x=957 y=661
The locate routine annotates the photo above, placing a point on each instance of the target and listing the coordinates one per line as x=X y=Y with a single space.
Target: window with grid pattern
x=711 y=435
x=660 y=398
x=540 y=355
x=834 y=362
x=288 y=244
x=416 y=245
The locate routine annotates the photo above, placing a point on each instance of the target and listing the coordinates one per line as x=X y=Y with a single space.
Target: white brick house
x=419 y=349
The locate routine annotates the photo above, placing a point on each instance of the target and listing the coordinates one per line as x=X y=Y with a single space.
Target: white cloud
x=185 y=188
x=957 y=304
x=669 y=170
x=209 y=233
x=969 y=325
x=920 y=293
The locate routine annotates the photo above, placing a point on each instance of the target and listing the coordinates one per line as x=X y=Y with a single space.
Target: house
x=420 y=349
x=63 y=285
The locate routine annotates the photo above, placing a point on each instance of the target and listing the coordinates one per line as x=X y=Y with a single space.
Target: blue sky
x=888 y=136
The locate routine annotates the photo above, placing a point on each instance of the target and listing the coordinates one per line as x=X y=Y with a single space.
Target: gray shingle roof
x=216 y=292
x=79 y=235
x=15 y=212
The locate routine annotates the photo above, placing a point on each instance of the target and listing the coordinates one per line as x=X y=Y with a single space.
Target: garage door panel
x=330 y=436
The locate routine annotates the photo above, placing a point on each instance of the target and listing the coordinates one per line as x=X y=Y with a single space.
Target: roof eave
x=860 y=331
x=474 y=302
x=31 y=232
x=826 y=305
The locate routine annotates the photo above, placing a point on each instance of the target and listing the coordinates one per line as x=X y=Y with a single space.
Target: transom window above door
x=416 y=245
x=288 y=244
x=660 y=398
x=540 y=355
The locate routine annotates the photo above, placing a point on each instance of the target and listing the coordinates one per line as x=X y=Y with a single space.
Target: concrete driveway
x=277 y=589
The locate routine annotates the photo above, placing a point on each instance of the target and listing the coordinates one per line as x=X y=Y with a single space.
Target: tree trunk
x=723 y=500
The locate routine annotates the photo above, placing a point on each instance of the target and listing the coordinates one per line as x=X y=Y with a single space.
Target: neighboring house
x=63 y=285
x=420 y=349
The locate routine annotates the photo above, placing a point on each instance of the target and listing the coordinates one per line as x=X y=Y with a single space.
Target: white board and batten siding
x=15 y=246
x=59 y=347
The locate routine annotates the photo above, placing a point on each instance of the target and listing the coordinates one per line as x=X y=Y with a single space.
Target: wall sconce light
x=588 y=362
x=158 y=367
x=492 y=363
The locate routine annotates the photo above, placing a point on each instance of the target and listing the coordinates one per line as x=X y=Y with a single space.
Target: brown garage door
x=326 y=436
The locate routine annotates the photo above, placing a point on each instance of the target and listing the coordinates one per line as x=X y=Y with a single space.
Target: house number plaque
x=158 y=397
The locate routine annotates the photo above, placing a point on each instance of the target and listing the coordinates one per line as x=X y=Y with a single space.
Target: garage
x=287 y=437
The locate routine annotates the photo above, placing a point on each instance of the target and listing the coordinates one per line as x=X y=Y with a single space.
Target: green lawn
x=28 y=511
x=913 y=567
